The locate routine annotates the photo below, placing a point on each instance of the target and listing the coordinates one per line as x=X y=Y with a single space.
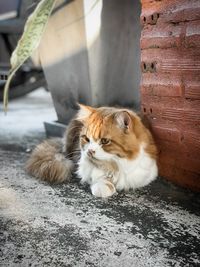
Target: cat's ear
x=84 y=112
x=123 y=119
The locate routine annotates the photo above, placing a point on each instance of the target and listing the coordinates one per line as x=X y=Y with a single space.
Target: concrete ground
x=64 y=225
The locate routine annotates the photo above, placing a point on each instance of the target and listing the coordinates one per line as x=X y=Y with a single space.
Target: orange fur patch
x=125 y=142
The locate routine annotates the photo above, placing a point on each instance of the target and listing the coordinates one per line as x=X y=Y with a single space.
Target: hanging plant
x=30 y=40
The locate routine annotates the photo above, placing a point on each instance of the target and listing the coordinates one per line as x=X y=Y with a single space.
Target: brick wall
x=170 y=86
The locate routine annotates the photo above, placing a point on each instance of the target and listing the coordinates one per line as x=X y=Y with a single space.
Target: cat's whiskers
x=73 y=152
x=76 y=152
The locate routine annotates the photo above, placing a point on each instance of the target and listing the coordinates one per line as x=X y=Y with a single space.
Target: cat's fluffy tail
x=47 y=162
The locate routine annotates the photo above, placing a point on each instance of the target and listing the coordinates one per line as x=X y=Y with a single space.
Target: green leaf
x=29 y=41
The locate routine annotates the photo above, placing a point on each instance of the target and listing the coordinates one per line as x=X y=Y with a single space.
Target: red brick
x=192 y=90
x=170 y=87
x=192 y=38
x=162 y=36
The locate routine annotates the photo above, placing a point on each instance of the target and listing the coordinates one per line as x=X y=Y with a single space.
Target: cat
x=108 y=148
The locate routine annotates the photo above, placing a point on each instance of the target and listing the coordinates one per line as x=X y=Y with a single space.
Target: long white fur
x=132 y=174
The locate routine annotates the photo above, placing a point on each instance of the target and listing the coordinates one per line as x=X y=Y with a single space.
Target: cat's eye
x=105 y=141
x=85 y=138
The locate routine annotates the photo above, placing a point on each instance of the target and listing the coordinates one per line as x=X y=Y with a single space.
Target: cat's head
x=109 y=132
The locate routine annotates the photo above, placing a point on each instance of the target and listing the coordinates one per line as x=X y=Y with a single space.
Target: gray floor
x=63 y=225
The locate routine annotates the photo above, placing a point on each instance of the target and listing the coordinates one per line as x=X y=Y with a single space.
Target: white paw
x=103 y=189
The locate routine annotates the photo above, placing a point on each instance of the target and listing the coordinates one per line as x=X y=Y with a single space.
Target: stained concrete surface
x=64 y=225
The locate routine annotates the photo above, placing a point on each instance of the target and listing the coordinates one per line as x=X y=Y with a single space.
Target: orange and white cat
x=108 y=148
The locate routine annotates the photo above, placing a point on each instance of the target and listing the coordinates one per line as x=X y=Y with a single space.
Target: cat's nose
x=90 y=152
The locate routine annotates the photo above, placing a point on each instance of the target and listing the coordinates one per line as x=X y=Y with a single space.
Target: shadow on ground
x=64 y=225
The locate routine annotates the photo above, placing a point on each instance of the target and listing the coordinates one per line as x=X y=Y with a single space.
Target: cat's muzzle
x=90 y=153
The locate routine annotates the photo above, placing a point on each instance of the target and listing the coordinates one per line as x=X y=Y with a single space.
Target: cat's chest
x=128 y=169
x=136 y=173
x=88 y=172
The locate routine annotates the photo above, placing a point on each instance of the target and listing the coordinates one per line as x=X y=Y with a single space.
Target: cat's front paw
x=103 y=189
